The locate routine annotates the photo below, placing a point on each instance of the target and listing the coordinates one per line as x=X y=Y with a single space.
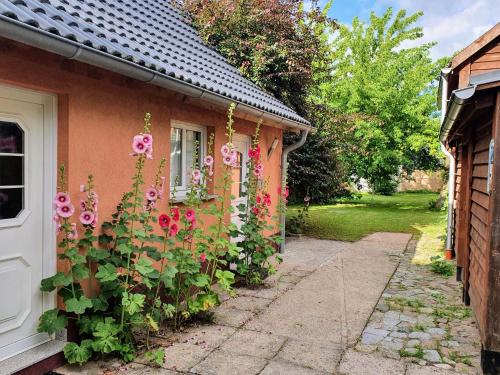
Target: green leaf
x=51 y=321
x=201 y=280
x=156 y=357
x=78 y=306
x=168 y=275
x=98 y=254
x=106 y=340
x=106 y=273
x=152 y=323
x=59 y=279
x=80 y=271
x=144 y=266
x=225 y=279
x=125 y=248
x=80 y=354
x=100 y=303
x=133 y=303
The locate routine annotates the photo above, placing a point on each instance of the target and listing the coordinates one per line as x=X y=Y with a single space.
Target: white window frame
x=183 y=188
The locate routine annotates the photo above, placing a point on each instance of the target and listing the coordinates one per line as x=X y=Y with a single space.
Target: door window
x=11 y=170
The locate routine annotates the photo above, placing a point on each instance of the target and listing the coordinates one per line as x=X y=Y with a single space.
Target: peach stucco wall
x=99 y=112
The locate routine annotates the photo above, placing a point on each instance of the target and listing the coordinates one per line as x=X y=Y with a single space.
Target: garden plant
x=155 y=262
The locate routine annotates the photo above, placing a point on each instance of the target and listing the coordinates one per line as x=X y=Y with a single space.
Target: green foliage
x=390 y=90
x=297 y=224
x=156 y=356
x=52 y=321
x=441 y=266
x=252 y=262
x=126 y=293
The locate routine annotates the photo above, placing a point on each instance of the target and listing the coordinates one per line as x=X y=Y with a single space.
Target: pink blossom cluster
x=88 y=207
x=64 y=209
x=262 y=204
x=153 y=194
x=170 y=223
x=208 y=162
x=229 y=155
x=143 y=144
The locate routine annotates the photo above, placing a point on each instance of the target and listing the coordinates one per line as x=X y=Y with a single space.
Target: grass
x=402 y=212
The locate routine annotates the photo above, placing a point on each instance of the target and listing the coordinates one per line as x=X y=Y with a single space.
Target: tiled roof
x=151 y=33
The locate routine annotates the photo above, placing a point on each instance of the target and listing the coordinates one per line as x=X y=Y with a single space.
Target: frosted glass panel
x=175 y=156
x=192 y=138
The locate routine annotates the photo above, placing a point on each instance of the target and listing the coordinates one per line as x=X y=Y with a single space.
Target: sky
x=453 y=24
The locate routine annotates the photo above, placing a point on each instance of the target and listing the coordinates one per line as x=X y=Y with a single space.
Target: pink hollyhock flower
x=287 y=192
x=228 y=160
x=73 y=233
x=208 y=161
x=176 y=215
x=203 y=257
x=58 y=228
x=258 y=199
x=55 y=218
x=174 y=229
x=164 y=221
x=267 y=199
x=138 y=145
x=149 y=152
x=66 y=211
x=83 y=205
x=190 y=215
x=82 y=188
x=196 y=175
x=147 y=139
x=86 y=217
x=93 y=224
x=192 y=224
x=151 y=194
x=226 y=149
x=254 y=153
x=255 y=210
x=61 y=199
x=210 y=172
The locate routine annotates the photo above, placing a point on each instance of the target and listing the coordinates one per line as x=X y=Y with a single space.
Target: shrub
x=442 y=267
x=126 y=293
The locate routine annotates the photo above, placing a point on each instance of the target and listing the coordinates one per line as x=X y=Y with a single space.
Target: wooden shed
x=470 y=131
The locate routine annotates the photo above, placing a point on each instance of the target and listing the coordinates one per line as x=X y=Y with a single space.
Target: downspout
x=451 y=173
x=284 y=168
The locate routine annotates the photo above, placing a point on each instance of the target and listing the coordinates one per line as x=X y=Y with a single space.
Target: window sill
x=183 y=198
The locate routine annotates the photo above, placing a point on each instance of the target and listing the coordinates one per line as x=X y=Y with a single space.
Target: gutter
x=443 y=89
x=26 y=34
x=284 y=168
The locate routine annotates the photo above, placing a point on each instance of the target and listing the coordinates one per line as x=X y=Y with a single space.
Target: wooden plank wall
x=487 y=60
x=458 y=180
x=478 y=241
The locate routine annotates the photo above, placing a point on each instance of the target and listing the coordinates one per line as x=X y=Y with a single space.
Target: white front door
x=27 y=238
x=241 y=145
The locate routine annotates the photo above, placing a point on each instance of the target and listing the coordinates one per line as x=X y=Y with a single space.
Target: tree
x=392 y=88
x=274 y=43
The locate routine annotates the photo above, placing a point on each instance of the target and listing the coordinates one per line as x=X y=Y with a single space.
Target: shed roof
x=476 y=46
x=146 y=39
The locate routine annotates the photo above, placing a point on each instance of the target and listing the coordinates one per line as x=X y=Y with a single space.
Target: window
x=11 y=170
x=183 y=138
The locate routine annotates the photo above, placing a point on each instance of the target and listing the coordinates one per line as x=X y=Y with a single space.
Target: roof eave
x=458 y=100
x=26 y=34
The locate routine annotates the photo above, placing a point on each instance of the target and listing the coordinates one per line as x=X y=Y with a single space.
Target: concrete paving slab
x=414 y=369
x=279 y=367
x=231 y=317
x=207 y=336
x=247 y=303
x=257 y=344
x=311 y=354
x=224 y=363
x=182 y=356
x=268 y=291
x=310 y=253
x=355 y=363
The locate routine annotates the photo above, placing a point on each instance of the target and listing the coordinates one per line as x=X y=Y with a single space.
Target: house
x=470 y=131
x=76 y=78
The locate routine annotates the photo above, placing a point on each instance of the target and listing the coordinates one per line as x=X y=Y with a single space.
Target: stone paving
x=309 y=320
x=420 y=320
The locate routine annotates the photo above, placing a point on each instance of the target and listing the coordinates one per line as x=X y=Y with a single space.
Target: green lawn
x=402 y=212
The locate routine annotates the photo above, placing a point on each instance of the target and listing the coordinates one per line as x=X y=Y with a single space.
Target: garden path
x=308 y=320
